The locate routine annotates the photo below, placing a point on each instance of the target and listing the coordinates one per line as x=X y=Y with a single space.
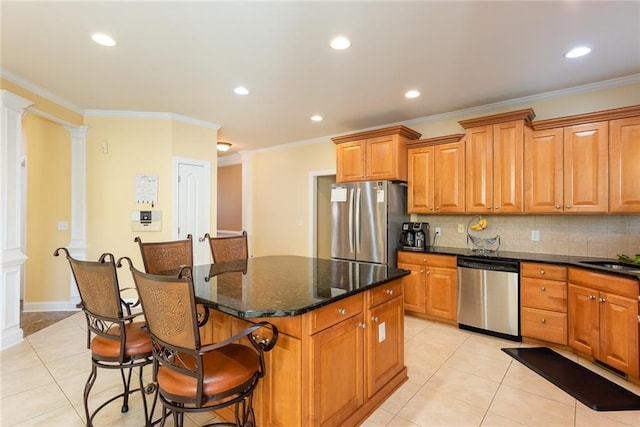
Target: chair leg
x=245 y=416
x=126 y=382
x=87 y=388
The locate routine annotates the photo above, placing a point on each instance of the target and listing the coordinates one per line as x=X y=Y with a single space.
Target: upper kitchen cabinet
x=494 y=162
x=436 y=175
x=379 y=154
x=624 y=165
x=584 y=163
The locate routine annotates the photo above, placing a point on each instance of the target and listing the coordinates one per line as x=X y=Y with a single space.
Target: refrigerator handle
x=351 y=221
x=357 y=219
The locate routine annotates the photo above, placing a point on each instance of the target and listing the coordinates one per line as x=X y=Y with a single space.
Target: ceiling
x=186 y=58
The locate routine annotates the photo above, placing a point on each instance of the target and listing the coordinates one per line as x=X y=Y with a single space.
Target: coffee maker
x=414 y=236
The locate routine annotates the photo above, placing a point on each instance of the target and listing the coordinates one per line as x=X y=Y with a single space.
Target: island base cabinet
x=385 y=344
x=337 y=368
x=331 y=366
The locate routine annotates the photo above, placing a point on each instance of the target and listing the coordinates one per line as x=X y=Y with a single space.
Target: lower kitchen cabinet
x=603 y=318
x=432 y=286
x=543 y=302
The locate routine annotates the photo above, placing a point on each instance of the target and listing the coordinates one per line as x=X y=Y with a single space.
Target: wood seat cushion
x=138 y=343
x=224 y=369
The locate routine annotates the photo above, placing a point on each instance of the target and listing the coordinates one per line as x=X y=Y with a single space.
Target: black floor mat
x=595 y=391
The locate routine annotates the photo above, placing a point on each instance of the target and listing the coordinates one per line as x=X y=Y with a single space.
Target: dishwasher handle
x=477 y=263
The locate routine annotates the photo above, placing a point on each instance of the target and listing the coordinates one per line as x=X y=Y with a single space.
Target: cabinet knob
x=542 y=288
x=424 y=260
x=362 y=325
x=543 y=320
x=342 y=311
x=542 y=272
x=437 y=208
x=592 y=297
x=389 y=291
x=558 y=206
x=496 y=207
x=569 y=206
x=489 y=207
x=602 y=300
x=428 y=272
x=430 y=208
x=421 y=271
x=375 y=319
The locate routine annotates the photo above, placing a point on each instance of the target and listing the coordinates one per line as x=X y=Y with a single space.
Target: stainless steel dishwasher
x=489 y=296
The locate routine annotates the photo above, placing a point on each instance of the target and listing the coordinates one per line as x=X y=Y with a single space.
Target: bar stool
x=192 y=377
x=230 y=248
x=119 y=342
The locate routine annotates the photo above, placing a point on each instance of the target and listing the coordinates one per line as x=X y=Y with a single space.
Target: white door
x=192 y=205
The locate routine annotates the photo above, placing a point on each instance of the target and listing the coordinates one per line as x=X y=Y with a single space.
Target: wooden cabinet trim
x=578 y=119
x=527 y=115
x=394 y=130
x=438 y=140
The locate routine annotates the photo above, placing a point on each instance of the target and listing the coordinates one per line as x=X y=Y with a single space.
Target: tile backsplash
x=603 y=236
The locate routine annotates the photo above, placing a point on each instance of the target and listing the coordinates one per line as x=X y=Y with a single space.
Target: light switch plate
x=535 y=236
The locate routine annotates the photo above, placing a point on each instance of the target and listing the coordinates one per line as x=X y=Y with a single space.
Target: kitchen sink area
x=612 y=265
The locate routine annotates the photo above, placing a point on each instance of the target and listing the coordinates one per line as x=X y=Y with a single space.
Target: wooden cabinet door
x=586 y=168
x=508 y=159
x=414 y=288
x=449 y=178
x=382 y=159
x=619 y=332
x=385 y=344
x=584 y=321
x=479 y=167
x=350 y=161
x=420 y=198
x=442 y=292
x=337 y=358
x=624 y=164
x=543 y=171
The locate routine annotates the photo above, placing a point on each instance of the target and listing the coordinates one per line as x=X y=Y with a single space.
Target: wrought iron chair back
x=166 y=257
x=230 y=248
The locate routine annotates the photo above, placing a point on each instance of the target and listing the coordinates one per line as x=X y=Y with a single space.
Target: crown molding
x=151 y=115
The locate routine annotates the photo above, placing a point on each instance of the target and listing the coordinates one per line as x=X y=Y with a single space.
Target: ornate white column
x=12 y=216
x=78 y=245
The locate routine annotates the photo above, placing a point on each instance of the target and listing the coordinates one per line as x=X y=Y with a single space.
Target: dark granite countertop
x=278 y=286
x=571 y=261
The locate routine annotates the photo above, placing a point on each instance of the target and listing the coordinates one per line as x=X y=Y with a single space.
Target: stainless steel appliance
x=488 y=296
x=414 y=236
x=366 y=218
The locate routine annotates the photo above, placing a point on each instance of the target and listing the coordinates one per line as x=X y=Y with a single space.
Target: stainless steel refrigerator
x=366 y=220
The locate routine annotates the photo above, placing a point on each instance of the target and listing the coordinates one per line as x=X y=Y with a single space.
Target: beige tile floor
x=456 y=378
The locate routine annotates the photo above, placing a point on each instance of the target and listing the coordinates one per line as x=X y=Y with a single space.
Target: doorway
x=322 y=214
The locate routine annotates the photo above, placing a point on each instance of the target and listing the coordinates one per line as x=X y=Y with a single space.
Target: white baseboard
x=11 y=337
x=50 y=306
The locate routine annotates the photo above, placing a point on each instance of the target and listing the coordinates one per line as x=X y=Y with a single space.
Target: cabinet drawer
x=544 y=325
x=384 y=292
x=336 y=312
x=420 y=258
x=544 y=294
x=543 y=271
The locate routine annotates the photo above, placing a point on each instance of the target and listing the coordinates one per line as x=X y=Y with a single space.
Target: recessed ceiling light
x=103 y=39
x=412 y=94
x=316 y=118
x=577 y=52
x=241 y=90
x=340 y=43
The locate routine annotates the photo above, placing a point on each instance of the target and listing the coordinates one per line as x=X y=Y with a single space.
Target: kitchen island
x=340 y=351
